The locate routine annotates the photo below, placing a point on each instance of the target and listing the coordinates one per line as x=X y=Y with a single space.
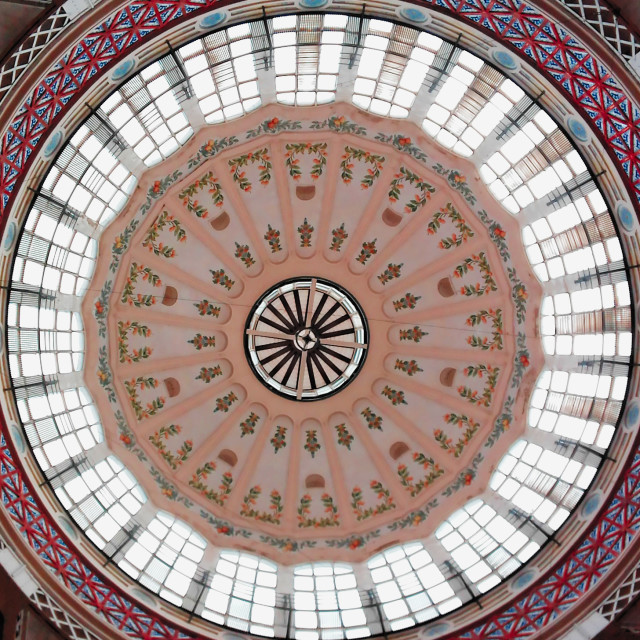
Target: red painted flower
x=223 y=529
x=500 y=232
x=273 y=123
x=468 y=478
x=355 y=543
x=403 y=142
x=525 y=361
x=99 y=308
x=156 y=186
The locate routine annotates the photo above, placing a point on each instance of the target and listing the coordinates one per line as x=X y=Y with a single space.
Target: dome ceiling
x=404 y=230
x=313 y=335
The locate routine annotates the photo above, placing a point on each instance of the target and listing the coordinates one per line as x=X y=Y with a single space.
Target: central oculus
x=306 y=338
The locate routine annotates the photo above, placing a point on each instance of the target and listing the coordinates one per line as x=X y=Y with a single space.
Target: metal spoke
x=270 y=334
x=308 y=358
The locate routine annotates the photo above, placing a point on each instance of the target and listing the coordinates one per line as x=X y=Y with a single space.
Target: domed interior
x=462 y=441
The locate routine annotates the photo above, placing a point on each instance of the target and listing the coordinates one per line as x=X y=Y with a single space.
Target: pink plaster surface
x=367 y=458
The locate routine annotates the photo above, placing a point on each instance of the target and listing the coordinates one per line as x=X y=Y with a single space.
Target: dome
x=320 y=324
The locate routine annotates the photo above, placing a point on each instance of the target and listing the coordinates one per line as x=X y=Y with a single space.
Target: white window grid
x=308 y=50
x=327 y=603
x=394 y=62
x=164 y=557
x=242 y=593
x=147 y=112
x=222 y=71
x=593 y=322
x=43 y=342
x=485 y=545
x=541 y=483
x=473 y=100
x=101 y=498
x=88 y=176
x=535 y=161
x=575 y=237
x=60 y=425
x=410 y=586
x=52 y=253
x=582 y=407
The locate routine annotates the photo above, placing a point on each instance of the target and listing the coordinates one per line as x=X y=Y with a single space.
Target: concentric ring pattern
x=213 y=459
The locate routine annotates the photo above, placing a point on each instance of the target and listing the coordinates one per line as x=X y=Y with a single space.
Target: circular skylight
x=306 y=338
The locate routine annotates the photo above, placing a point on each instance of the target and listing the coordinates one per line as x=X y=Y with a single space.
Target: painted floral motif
x=340 y=124
x=312 y=445
x=521 y=361
x=392 y=271
x=482 y=317
x=207 y=180
x=152 y=407
x=465 y=477
x=368 y=250
x=415 y=335
x=224 y=488
x=169 y=490
x=470 y=428
x=344 y=437
x=206 y=308
x=433 y=473
x=127 y=437
x=330 y=520
x=100 y=308
x=279 y=439
x=210 y=149
x=305 y=230
x=469 y=264
x=260 y=156
x=338 y=236
x=410 y=367
x=224 y=404
x=403 y=143
x=158 y=440
x=456 y=239
x=174 y=227
x=408 y=301
x=414 y=518
x=104 y=374
x=424 y=189
x=394 y=396
x=385 y=501
x=159 y=187
x=244 y=255
x=346 y=166
x=218 y=276
x=497 y=233
x=275 y=125
x=149 y=276
x=502 y=423
x=292 y=162
x=457 y=181
x=374 y=422
x=121 y=244
x=248 y=425
x=123 y=348
x=207 y=374
x=272 y=236
x=479 y=371
x=201 y=342
x=519 y=295
x=276 y=507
